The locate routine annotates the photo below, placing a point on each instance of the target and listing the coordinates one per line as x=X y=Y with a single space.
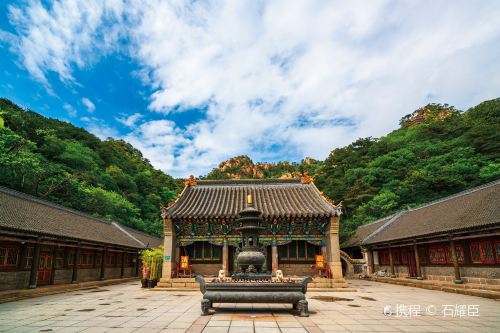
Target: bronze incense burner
x=251 y=284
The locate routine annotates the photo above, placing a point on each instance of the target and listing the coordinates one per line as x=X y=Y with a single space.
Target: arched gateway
x=299 y=223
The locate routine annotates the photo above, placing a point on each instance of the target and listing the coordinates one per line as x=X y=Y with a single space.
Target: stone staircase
x=177 y=283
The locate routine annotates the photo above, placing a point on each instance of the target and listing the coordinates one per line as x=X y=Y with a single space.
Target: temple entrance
x=44 y=269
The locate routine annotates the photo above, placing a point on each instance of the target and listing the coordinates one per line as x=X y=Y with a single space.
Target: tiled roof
x=273 y=197
x=148 y=240
x=364 y=231
x=473 y=209
x=25 y=213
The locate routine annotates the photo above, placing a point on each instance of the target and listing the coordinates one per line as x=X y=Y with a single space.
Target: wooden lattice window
x=85 y=259
x=475 y=252
x=482 y=252
x=59 y=260
x=459 y=250
x=119 y=257
x=298 y=250
x=98 y=259
x=9 y=257
x=437 y=254
x=71 y=258
x=111 y=259
x=487 y=253
x=28 y=260
x=204 y=250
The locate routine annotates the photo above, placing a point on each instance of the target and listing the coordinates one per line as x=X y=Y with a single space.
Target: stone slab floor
x=127 y=308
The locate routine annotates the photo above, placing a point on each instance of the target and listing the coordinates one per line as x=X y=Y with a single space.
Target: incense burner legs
x=205 y=306
x=303 y=308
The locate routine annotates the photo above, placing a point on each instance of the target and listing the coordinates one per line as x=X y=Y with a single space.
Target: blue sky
x=193 y=83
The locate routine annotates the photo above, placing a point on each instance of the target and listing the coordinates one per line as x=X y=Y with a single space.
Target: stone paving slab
x=128 y=308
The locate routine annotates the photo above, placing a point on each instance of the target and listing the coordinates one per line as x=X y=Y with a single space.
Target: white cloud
x=129 y=121
x=102 y=131
x=99 y=128
x=63 y=34
x=70 y=110
x=159 y=141
x=279 y=78
x=88 y=104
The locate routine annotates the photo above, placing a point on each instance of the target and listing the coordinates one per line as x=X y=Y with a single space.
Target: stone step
x=473 y=292
x=183 y=280
x=492 y=287
x=464 y=289
x=178 y=280
x=176 y=284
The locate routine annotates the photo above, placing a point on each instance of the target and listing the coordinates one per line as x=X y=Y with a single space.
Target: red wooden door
x=412 y=265
x=44 y=268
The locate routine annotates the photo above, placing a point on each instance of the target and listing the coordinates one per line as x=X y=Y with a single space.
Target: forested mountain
x=65 y=164
x=437 y=151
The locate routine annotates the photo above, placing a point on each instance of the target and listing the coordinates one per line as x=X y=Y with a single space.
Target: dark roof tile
x=273 y=197
x=25 y=213
x=364 y=231
x=475 y=208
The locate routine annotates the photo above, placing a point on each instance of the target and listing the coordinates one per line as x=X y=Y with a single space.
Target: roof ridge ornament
x=191 y=181
x=306 y=179
x=338 y=208
x=330 y=201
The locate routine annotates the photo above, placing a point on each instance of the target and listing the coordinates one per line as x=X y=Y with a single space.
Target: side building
x=42 y=243
x=456 y=238
x=299 y=223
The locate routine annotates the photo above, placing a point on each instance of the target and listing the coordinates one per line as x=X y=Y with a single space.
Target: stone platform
x=317 y=284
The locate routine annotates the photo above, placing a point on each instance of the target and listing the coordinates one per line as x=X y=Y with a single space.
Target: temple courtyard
x=127 y=308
